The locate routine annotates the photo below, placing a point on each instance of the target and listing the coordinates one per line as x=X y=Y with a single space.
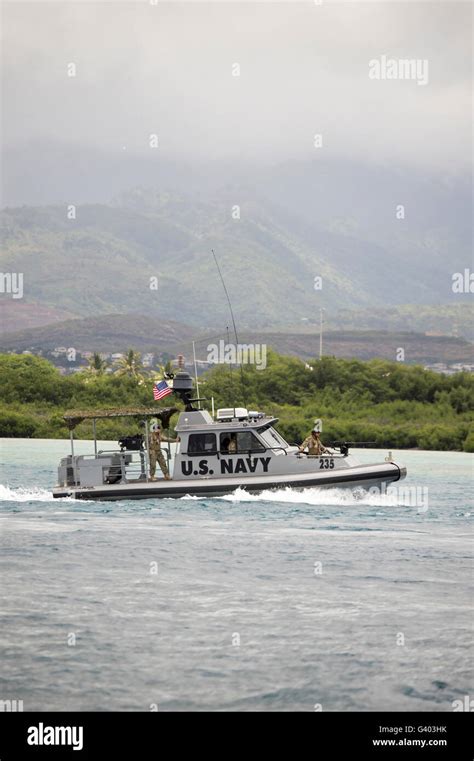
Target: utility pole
x=321 y=310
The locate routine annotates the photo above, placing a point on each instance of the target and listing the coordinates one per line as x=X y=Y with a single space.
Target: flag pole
x=147 y=457
x=169 y=445
x=168 y=450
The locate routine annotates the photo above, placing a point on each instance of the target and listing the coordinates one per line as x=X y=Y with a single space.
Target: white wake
x=315 y=496
x=31 y=494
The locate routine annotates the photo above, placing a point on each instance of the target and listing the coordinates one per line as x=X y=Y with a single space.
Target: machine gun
x=343 y=446
x=132 y=443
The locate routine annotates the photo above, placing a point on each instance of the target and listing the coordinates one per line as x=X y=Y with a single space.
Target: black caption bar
x=121 y=735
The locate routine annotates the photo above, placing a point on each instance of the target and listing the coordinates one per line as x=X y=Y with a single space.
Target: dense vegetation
x=384 y=402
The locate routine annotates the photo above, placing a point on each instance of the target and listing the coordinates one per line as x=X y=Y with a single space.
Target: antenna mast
x=233 y=323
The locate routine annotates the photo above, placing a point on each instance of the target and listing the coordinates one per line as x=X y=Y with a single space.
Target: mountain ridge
x=119 y=332
x=104 y=260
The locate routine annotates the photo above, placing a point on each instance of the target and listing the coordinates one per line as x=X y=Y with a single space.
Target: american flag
x=160 y=390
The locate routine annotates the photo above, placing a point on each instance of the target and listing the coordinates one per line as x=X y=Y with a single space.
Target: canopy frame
x=74 y=417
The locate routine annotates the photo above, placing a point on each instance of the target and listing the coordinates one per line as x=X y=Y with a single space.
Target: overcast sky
x=167 y=69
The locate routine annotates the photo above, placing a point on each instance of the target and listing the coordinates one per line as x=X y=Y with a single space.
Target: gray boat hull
x=362 y=476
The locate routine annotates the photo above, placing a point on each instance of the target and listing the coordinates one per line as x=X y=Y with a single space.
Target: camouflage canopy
x=74 y=417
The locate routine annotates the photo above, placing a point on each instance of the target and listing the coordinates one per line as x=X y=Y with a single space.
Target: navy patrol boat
x=239 y=449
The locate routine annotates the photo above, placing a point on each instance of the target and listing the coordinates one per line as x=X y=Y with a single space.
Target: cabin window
x=240 y=442
x=202 y=443
x=272 y=438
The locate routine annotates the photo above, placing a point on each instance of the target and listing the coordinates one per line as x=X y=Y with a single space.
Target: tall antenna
x=226 y=293
x=233 y=323
x=230 y=375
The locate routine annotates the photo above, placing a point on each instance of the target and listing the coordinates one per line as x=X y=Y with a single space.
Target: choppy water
x=277 y=602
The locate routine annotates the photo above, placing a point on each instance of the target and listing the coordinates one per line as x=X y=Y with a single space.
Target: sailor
x=154 y=446
x=232 y=448
x=314 y=444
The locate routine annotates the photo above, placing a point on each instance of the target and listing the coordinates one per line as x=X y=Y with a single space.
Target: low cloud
x=169 y=69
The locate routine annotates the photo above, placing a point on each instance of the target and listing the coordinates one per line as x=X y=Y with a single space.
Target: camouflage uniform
x=154 y=446
x=314 y=444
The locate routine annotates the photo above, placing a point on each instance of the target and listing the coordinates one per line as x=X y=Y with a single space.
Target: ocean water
x=284 y=601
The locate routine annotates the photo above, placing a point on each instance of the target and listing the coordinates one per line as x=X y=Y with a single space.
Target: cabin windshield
x=272 y=438
x=202 y=443
x=235 y=442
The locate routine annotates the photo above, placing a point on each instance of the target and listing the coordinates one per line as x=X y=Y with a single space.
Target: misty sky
x=167 y=69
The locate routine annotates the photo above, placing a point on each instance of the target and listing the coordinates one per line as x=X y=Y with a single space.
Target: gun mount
x=183 y=387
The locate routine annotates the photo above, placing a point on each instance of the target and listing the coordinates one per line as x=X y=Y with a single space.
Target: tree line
x=388 y=403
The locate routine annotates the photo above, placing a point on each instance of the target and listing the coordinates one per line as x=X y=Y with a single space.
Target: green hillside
x=101 y=263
